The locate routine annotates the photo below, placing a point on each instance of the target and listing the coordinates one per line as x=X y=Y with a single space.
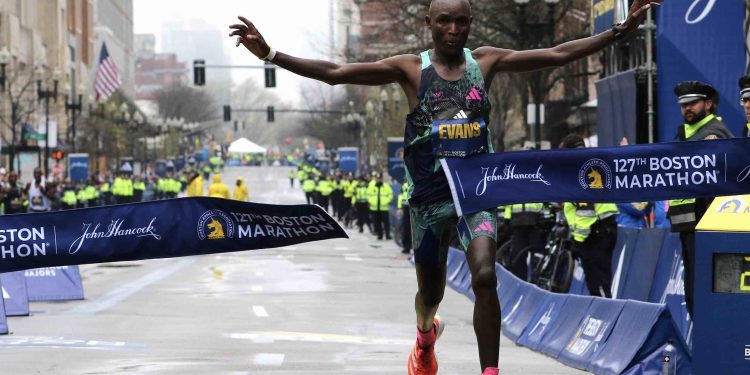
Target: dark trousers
x=346 y=205
x=363 y=215
x=406 y=229
x=522 y=237
x=309 y=197
x=596 y=257
x=323 y=202
x=291 y=182
x=382 y=224
x=687 y=239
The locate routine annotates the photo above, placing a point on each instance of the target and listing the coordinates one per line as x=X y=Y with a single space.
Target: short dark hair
x=572 y=141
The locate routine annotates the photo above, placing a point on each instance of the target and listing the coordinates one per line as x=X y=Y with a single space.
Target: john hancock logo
x=215 y=225
x=595 y=174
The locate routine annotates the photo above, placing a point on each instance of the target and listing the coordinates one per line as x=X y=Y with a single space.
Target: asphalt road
x=331 y=307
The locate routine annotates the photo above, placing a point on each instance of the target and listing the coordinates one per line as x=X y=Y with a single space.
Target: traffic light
x=227 y=113
x=269 y=113
x=199 y=72
x=57 y=155
x=270 y=74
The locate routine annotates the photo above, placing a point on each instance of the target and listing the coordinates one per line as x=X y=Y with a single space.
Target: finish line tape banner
x=618 y=174
x=161 y=229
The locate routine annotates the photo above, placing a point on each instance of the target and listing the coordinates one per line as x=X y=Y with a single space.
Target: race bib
x=459 y=138
x=36 y=201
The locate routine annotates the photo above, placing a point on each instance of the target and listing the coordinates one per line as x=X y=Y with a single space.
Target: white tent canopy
x=245 y=146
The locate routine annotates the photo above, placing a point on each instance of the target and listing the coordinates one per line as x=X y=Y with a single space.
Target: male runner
x=446 y=88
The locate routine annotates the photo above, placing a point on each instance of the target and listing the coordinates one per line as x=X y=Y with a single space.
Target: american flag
x=107 y=78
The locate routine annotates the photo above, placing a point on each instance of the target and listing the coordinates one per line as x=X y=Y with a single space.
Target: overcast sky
x=299 y=27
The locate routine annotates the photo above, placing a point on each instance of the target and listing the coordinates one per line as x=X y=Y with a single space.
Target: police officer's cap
x=745 y=87
x=690 y=91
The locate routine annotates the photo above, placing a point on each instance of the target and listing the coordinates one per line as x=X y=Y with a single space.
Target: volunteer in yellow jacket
x=195 y=184
x=218 y=189
x=379 y=197
x=240 y=190
x=593 y=227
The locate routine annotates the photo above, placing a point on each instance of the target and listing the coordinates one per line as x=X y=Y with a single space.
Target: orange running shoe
x=423 y=361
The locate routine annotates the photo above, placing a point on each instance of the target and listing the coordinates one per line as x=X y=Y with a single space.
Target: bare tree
x=191 y=104
x=22 y=99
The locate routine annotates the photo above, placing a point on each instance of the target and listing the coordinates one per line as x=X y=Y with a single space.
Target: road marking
x=352 y=257
x=260 y=311
x=120 y=294
x=271 y=336
x=60 y=342
x=268 y=359
x=341 y=248
x=256 y=288
x=259 y=273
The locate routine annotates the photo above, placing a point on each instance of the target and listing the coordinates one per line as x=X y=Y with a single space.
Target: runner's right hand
x=250 y=37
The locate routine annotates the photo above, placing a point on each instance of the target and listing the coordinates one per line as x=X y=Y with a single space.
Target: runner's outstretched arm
x=389 y=70
x=516 y=61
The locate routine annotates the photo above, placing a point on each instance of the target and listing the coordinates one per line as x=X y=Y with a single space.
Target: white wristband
x=271 y=54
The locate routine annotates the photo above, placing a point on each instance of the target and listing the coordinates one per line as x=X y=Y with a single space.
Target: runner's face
x=450 y=23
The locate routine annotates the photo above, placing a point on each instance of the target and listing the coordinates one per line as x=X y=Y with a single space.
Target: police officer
x=698 y=102
x=593 y=227
x=360 y=203
x=526 y=234
x=379 y=197
x=745 y=101
x=403 y=205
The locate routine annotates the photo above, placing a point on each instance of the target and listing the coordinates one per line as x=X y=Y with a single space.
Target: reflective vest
x=308 y=185
x=682 y=212
x=349 y=187
x=69 y=197
x=581 y=216
x=379 y=197
x=325 y=187
x=403 y=198
x=360 y=194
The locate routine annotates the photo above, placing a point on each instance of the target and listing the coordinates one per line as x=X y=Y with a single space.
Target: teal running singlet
x=451 y=120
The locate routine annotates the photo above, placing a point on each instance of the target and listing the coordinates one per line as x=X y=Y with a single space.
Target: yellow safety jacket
x=308 y=185
x=581 y=216
x=325 y=187
x=379 y=197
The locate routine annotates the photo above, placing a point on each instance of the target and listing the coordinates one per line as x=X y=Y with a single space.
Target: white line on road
x=341 y=248
x=260 y=311
x=272 y=336
x=256 y=288
x=259 y=273
x=268 y=359
x=352 y=257
x=120 y=294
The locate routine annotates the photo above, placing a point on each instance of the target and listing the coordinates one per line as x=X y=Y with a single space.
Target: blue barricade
x=627 y=239
x=507 y=287
x=592 y=333
x=523 y=307
x=641 y=330
x=636 y=282
x=3 y=320
x=565 y=327
x=546 y=317
x=54 y=283
x=15 y=294
x=682 y=321
x=668 y=275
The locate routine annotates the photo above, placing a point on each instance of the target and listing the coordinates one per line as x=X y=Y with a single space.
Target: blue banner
x=603 y=13
x=54 y=284
x=618 y=174
x=161 y=229
x=15 y=293
x=396 y=167
x=78 y=167
x=616 y=112
x=687 y=48
x=349 y=160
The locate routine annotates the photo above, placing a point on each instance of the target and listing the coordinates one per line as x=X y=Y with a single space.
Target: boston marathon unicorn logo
x=215 y=225
x=217 y=230
x=595 y=174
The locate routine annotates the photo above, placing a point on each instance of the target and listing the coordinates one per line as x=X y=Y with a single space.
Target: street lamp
x=4 y=59
x=45 y=94
x=74 y=108
x=536 y=32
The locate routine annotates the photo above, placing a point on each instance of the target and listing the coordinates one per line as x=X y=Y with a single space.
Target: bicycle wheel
x=502 y=255
x=562 y=275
